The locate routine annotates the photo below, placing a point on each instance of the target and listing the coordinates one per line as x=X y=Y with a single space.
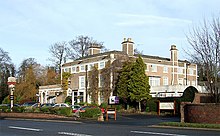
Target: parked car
x=47 y=105
x=61 y=105
x=75 y=107
x=83 y=109
x=26 y=104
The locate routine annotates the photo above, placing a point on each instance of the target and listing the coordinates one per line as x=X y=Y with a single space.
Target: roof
x=79 y=60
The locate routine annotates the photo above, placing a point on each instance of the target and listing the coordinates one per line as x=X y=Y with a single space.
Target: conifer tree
x=138 y=84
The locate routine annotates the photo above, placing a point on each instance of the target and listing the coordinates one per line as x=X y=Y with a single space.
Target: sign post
x=11 y=86
x=167 y=106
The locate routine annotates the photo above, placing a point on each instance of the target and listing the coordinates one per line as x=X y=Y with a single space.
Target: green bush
x=5 y=109
x=68 y=100
x=152 y=105
x=28 y=109
x=118 y=107
x=66 y=111
x=18 y=109
x=91 y=113
x=104 y=105
x=36 y=110
x=45 y=109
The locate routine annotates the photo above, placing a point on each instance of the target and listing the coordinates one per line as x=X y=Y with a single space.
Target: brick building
x=168 y=77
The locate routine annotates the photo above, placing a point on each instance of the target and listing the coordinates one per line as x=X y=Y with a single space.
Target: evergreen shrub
x=91 y=113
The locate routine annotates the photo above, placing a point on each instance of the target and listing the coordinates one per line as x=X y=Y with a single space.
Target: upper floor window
x=154 y=81
x=82 y=68
x=81 y=82
x=180 y=81
x=165 y=69
x=180 y=70
x=153 y=68
x=101 y=81
x=147 y=69
x=101 y=65
x=90 y=66
x=190 y=71
x=165 y=80
x=73 y=69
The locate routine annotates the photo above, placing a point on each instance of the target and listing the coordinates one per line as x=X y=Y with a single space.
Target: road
x=125 y=126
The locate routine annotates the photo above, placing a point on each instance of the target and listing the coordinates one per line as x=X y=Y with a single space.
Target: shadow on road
x=139 y=119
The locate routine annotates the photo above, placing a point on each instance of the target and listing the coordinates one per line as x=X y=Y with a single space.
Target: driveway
x=140 y=119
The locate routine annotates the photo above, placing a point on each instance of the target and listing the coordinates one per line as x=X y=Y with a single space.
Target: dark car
x=27 y=104
x=83 y=109
x=47 y=105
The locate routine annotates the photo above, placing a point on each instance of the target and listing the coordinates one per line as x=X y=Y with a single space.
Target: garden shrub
x=118 y=107
x=104 y=105
x=45 y=109
x=66 y=111
x=152 y=105
x=18 y=109
x=91 y=113
x=5 y=109
x=36 y=110
x=68 y=100
x=28 y=109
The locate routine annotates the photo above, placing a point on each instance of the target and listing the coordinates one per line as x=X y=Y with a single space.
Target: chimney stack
x=128 y=46
x=94 y=49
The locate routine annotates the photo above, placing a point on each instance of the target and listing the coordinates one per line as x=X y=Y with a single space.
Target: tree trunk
x=139 y=105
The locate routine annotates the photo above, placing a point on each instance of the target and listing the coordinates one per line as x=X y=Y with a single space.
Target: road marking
x=155 y=133
x=72 y=134
x=22 y=128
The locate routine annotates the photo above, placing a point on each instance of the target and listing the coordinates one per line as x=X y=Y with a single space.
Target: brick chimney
x=128 y=46
x=174 y=60
x=94 y=49
x=174 y=53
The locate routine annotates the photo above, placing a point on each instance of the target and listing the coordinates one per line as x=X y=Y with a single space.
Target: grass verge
x=193 y=125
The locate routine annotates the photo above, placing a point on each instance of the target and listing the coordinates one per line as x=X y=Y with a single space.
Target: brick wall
x=200 y=113
x=30 y=115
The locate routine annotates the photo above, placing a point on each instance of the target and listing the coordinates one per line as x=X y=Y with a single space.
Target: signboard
x=110 y=111
x=167 y=105
x=113 y=100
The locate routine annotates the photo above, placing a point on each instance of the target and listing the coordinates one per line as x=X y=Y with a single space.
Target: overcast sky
x=29 y=27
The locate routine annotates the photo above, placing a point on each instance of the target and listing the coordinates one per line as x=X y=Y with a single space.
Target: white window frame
x=100 y=80
x=73 y=69
x=82 y=82
x=153 y=68
x=90 y=66
x=82 y=68
x=165 y=80
x=180 y=70
x=180 y=81
x=101 y=64
x=165 y=69
x=190 y=71
x=147 y=67
x=154 y=81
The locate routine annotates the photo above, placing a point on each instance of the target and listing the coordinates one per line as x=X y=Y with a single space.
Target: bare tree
x=59 y=54
x=93 y=84
x=205 y=43
x=6 y=69
x=80 y=45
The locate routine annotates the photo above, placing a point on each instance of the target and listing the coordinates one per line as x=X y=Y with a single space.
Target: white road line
x=22 y=128
x=155 y=133
x=72 y=134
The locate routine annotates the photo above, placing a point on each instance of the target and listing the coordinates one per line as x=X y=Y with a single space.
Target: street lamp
x=187 y=65
x=11 y=86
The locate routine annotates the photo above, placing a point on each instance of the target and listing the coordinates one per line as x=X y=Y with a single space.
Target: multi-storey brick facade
x=161 y=71
x=167 y=76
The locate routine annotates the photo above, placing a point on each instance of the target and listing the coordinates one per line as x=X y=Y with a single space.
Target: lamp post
x=11 y=86
x=187 y=65
x=86 y=85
